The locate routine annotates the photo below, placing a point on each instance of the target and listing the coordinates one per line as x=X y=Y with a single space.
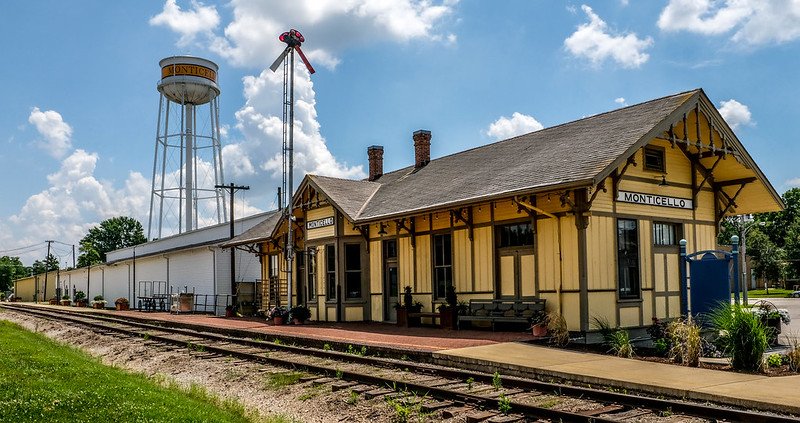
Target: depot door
x=390 y=286
x=515 y=261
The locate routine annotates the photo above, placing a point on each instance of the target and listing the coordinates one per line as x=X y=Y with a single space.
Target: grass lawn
x=42 y=381
x=773 y=293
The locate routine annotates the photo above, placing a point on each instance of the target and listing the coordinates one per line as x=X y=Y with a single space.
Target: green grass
x=42 y=381
x=773 y=293
x=282 y=380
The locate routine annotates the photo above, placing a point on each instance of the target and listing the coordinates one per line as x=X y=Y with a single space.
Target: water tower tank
x=188 y=80
x=187 y=165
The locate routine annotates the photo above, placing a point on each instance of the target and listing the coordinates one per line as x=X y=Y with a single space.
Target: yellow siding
x=422 y=224
x=506 y=210
x=424 y=260
x=706 y=237
x=320 y=213
x=353 y=314
x=484 y=253
x=571 y=310
x=604 y=200
x=441 y=220
x=677 y=165
x=376 y=306
x=528 y=274
x=569 y=250
x=348 y=228
x=506 y=275
x=481 y=214
x=629 y=316
x=602 y=305
x=375 y=267
x=601 y=253
x=462 y=264
x=548 y=257
x=550 y=203
x=673 y=272
x=645 y=254
x=405 y=264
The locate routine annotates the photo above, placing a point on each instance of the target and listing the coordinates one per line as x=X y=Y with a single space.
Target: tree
x=769 y=260
x=10 y=268
x=49 y=265
x=112 y=234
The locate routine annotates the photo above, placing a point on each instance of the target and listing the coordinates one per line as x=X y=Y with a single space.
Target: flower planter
x=277 y=321
x=448 y=317
x=773 y=326
x=402 y=316
x=53 y=301
x=122 y=306
x=99 y=306
x=81 y=303
x=539 y=330
x=65 y=302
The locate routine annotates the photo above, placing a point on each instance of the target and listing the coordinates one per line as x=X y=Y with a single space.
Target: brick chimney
x=375 y=155
x=422 y=148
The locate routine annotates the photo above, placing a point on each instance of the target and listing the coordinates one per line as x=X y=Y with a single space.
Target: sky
x=79 y=105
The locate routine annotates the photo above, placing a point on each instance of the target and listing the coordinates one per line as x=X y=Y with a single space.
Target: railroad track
x=449 y=391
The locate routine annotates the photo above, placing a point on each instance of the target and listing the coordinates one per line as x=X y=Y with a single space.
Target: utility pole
x=73 y=256
x=46 y=268
x=231 y=190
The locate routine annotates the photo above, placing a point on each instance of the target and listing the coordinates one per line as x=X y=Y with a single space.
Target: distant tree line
x=111 y=234
x=773 y=239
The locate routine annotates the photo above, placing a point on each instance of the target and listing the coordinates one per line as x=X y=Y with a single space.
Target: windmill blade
x=279 y=60
x=303 y=57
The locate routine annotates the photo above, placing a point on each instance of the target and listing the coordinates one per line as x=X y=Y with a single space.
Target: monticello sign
x=319 y=223
x=654 y=200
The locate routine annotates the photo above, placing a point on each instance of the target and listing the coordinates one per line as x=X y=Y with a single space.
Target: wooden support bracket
x=458 y=216
x=410 y=228
x=364 y=231
x=617 y=175
x=520 y=202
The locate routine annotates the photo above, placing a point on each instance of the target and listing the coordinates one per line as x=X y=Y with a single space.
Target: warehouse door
x=390 y=280
x=515 y=261
x=666 y=269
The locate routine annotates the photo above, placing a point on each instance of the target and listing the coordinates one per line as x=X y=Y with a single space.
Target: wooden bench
x=429 y=314
x=502 y=311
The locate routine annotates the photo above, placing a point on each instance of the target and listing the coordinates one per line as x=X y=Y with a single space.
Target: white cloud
x=735 y=113
x=518 y=124
x=594 y=41
x=76 y=200
x=199 y=20
x=57 y=134
x=250 y=39
x=793 y=183
x=754 y=22
x=620 y=100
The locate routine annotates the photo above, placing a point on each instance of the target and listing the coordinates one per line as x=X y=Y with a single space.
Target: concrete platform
x=778 y=394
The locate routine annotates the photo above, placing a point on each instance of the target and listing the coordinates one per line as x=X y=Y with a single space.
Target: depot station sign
x=654 y=200
x=319 y=223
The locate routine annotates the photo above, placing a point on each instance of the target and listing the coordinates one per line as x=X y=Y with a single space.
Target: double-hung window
x=628 y=258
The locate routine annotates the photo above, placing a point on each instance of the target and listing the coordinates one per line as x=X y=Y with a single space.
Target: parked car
x=795 y=294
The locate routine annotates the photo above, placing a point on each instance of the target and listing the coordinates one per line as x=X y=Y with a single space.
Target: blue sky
x=79 y=104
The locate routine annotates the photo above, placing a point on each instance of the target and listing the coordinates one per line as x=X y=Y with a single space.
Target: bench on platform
x=431 y=315
x=502 y=311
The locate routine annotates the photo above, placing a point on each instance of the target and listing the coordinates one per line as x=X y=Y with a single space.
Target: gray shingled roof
x=258 y=233
x=570 y=154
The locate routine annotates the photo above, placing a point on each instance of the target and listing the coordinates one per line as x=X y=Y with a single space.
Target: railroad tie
x=507 y=392
x=377 y=393
x=360 y=389
x=449 y=413
x=433 y=406
x=506 y=419
x=342 y=385
x=613 y=408
x=322 y=381
x=480 y=416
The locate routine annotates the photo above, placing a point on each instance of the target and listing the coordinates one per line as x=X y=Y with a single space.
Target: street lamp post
x=745 y=223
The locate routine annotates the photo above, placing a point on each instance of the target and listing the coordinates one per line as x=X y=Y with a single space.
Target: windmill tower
x=187 y=164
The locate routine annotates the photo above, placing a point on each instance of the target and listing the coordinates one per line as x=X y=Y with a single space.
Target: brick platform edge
x=487 y=366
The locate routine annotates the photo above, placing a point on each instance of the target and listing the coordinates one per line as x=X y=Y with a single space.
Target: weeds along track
x=432 y=389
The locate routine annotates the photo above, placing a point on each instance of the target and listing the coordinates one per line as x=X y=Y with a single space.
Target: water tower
x=187 y=163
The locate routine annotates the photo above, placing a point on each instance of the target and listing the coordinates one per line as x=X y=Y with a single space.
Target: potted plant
x=53 y=301
x=448 y=312
x=80 y=299
x=408 y=306
x=771 y=318
x=539 y=324
x=99 y=302
x=278 y=315
x=300 y=314
x=122 y=304
x=65 y=300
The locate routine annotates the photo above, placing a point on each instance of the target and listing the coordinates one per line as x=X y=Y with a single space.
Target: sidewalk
x=778 y=394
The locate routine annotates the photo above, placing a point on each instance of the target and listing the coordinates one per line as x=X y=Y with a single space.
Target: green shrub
x=617 y=340
x=686 y=342
x=741 y=335
x=775 y=360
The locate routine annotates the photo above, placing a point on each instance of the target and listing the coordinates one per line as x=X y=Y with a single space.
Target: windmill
x=293 y=39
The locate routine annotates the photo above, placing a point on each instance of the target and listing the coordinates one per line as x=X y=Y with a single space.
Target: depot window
x=352 y=270
x=665 y=234
x=442 y=264
x=628 y=258
x=330 y=271
x=654 y=159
